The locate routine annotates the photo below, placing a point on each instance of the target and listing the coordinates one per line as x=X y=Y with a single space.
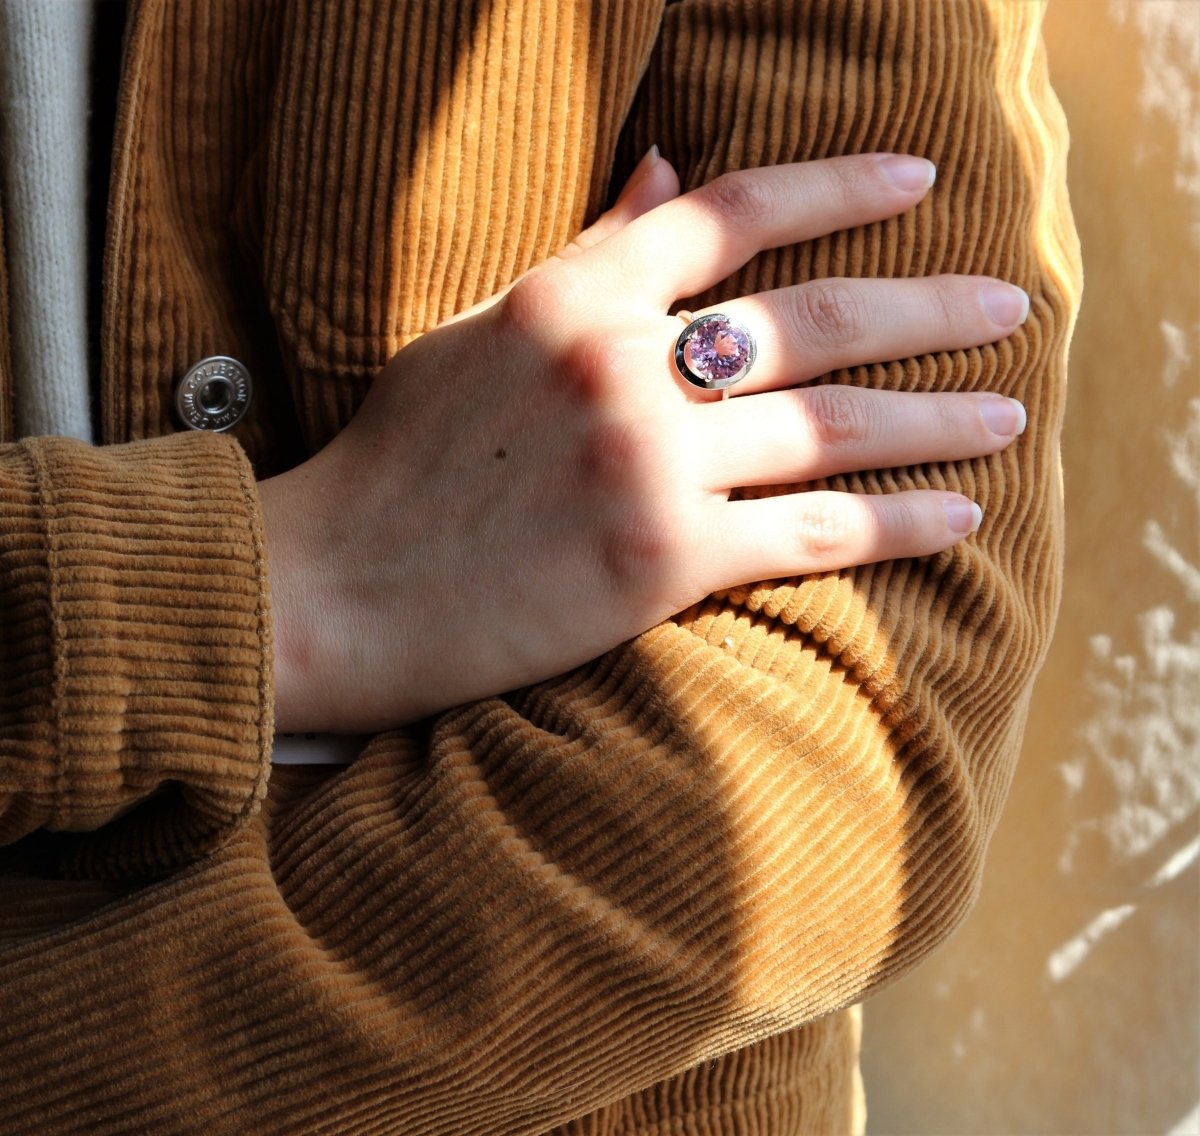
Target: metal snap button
x=214 y=395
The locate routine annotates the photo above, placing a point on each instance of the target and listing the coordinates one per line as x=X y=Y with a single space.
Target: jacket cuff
x=144 y=738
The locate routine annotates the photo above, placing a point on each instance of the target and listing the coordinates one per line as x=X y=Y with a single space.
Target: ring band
x=713 y=352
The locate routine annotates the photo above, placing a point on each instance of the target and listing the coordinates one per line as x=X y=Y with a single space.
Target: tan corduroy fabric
x=633 y=899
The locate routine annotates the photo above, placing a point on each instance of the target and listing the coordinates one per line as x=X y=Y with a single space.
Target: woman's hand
x=528 y=486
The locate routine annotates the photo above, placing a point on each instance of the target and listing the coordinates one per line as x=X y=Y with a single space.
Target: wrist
x=293 y=649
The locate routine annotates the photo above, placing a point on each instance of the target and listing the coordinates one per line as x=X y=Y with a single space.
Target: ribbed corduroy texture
x=136 y=650
x=803 y=1081
x=544 y=909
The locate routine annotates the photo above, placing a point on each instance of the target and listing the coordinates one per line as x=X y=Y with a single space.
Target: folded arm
x=134 y=649
x=739 y=820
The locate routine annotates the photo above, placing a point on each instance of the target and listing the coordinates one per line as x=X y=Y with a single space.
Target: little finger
x=800 y=533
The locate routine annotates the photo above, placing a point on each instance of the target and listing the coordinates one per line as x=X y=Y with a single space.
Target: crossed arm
x=740 y=819
x=543 y=450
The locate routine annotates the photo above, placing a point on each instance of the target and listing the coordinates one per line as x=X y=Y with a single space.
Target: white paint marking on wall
x=1138 y=759
x=1154 y=540
x=1176 y=865
x=1184 y=447
x=1177 y=341
x=1170 y=58
x=1064 y=960
x=1072 y=772
x=1189 y=1125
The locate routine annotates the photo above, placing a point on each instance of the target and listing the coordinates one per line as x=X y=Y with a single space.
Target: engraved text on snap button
x=214 y=394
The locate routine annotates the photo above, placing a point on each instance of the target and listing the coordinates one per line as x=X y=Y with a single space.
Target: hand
x=530 y=485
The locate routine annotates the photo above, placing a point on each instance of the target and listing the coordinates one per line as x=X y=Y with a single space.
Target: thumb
x=652 y=183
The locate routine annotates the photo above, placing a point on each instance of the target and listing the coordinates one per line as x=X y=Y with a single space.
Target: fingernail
x=1005 y=304
x=1003 y=416
x=963 y=516
x=908 y=173
x=638 y=174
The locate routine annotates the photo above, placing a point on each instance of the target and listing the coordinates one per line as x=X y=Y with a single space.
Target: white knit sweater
x=45 y=56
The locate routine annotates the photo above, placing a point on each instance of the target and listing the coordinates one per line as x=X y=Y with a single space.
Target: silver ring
x=714 y=351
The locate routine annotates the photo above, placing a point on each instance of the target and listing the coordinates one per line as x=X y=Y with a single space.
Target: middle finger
x=815 y=432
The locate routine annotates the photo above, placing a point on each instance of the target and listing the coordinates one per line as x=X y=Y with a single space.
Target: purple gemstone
x=717 y=349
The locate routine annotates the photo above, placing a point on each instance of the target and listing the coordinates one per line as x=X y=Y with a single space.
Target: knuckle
x=830 y=315
x=527 y=305
x=615 y=460
x=637 y=552
x=585 y=372
x=573 y=247
x=900 y=521
x=642 y=533
x=823 y=530
x=740 y=198
x=852 y=181
x=950 y=307
x=535 y=317
x=539 y=301
x=839 y=416
x=949 y=423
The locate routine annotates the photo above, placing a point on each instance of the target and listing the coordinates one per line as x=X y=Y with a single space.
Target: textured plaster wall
x=1070 y=1001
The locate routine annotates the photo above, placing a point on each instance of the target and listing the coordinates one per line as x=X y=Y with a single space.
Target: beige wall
x=1070 y=1002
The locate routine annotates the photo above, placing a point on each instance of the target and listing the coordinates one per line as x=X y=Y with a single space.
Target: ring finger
x=800 y=533
x=811 y=329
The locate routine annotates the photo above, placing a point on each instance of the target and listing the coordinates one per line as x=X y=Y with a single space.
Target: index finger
x=694 y=241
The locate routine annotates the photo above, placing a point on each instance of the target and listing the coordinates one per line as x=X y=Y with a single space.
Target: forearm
x=135 y=647
x=736 y=822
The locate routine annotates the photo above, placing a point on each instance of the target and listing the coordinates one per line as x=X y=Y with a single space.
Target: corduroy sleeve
x=134 y=648
x=741 y=821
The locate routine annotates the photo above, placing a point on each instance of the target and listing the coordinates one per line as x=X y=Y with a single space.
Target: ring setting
x=714 y=351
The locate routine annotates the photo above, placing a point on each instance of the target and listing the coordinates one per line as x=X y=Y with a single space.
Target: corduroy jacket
x=637 y=898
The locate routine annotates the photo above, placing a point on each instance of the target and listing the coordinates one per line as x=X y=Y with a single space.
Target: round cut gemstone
x=717 y=350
